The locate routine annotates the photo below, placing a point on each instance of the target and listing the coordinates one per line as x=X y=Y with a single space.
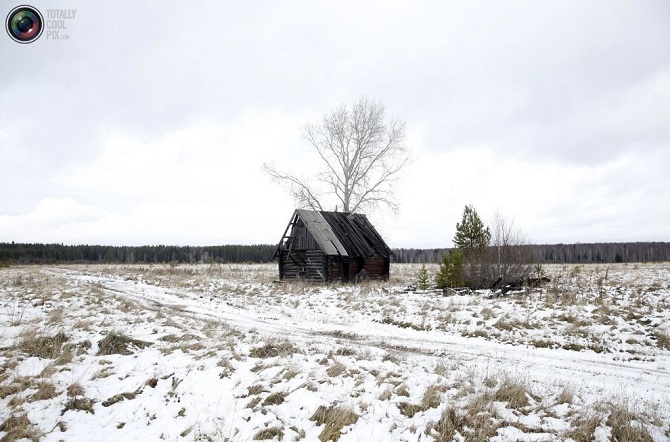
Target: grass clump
x=269 y=433
x=79 y=404
x=17 y=385
x=255 y=389
x=275 y=398
x=447 y=427
x=120 y=397
x=19 y=427
x=118 y=344
x=335 y=418
x=409 y=409
x=272 y=349
x=45 y=347
x=476 y=422
x=75 y=389
x=253 y=402
x=584 y=428
x=514 y=393
x=431 y=399
x=662 y=340
x=566 y=396
x=336 y=369
x=626 y=425
x=45 y=390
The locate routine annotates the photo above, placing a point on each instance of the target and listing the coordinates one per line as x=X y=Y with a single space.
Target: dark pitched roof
x=346 y=234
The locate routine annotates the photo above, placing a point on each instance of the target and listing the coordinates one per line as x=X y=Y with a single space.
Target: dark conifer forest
x=15 y=253
x=564 y=253
x=18 y=253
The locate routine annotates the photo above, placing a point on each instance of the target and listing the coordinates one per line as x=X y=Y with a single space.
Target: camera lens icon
x=24 y=24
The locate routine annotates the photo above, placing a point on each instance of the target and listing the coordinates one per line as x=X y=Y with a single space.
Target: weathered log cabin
x=332 y=246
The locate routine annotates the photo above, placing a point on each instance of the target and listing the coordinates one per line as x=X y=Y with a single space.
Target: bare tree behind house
x=512 y=256
x=362 y=155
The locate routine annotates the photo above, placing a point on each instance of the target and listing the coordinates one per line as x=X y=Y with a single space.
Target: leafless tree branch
x=362 y=158
x=299 y=189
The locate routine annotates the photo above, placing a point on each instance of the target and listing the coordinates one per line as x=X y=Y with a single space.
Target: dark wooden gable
x=357 y=234
x=331 y=246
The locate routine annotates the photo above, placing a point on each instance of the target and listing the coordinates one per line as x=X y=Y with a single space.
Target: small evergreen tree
x=451 y=270
x=471 y=233
x=423 y=278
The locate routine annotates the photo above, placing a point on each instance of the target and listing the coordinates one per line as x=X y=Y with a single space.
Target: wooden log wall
x=309 y=264
x=375 y=266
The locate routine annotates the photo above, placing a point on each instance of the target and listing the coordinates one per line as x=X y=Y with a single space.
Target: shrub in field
x=423 y=279
x=451 y=269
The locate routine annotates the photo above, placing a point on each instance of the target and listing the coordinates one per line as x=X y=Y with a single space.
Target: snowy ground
x=220 y=352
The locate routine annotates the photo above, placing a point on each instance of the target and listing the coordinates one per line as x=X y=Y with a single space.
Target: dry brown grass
x=662 y=340
x=431 y=399
x=474 y=422
x=75 y=389
x=17 y=385
x=275 y=398
x=18 y=427
x=336 y=369
x=45 y=390
x=514 y=393
x=78 y=404
x=447 y=427
x=335 y=418
x=408 y=409
x=45 y=347
x=255 y=389
x=103 y=373
x=566 y=396
x=253 y=402
x=274 y=348
x=432 y=396
x=270 y=433
x=626 y=425
x=585 y=426
x=120 y=397
x=119 y=344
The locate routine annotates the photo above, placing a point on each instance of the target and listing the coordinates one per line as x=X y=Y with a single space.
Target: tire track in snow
x=588 y=369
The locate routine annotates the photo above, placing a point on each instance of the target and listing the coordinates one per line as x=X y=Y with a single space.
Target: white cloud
x=556 y=113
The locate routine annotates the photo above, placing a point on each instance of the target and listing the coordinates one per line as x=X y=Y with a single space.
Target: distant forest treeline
x=53 y=253
x=564 y=253
x=545 y=253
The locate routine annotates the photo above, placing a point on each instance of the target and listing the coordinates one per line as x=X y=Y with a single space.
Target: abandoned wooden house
x=332 y=246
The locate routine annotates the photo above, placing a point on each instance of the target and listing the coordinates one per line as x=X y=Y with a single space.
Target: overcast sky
x=150 y=123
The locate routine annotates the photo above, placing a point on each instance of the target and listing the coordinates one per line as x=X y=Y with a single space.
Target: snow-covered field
x=220 y=352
